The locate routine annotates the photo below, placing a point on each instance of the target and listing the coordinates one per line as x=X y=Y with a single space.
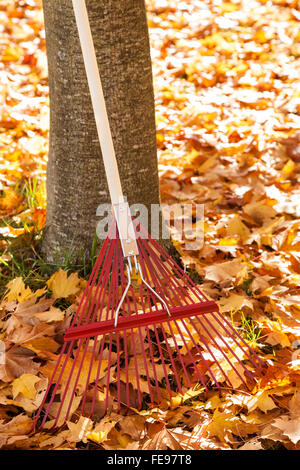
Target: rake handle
x=121 y=208
x=98 y=101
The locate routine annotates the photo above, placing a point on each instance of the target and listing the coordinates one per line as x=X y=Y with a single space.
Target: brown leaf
x=18 y=361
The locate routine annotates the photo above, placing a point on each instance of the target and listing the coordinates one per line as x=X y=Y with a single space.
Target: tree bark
x=76 y=182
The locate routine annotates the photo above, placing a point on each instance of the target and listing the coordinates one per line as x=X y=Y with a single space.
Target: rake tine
x=191 y=356
x=211 y=353
x=87 y=342
x=77 y=378
x=223 y=354
x=109 y=303
x=57 y=383
x=104 y=275
x=108 y=372
x=89 y=373
x=90 y=285
x=145 y=274
x=242 y=340
x=50 y=384
x=200 y=353
x=171 y=357
x=136 y=368
x=97 y=376
x=173 y=266
x=164 y=365
x=68 y=381
x=114 y=301
x=178 y=352
x=230 y=349
x=163 y=331
x=146 y=365
x=107 y=272
x=153 y=365
x=118 y=371
x=163 y=271
x=101 y=288
x=126 y=368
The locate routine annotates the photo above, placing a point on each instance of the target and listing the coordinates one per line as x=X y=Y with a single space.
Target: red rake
x=143 y=330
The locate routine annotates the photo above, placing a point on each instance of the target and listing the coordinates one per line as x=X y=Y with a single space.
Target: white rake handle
x=98 y=101
x=121 y=208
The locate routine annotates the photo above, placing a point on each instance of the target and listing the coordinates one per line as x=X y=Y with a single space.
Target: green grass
x=250 y=329
x=22 y=257
x=30 y=191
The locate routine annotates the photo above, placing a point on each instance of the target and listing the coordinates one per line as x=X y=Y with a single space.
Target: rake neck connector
x=126 y=229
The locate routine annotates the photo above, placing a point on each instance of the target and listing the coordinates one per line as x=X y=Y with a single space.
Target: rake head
x=143 y=332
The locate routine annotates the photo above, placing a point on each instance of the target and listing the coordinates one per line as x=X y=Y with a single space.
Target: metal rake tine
x=230 y=349
x=108 y=371
x=242 y=340
x=97 y=375
x=77 y=378
x=153 y=365
x=200 y=353
x=107 y=273
x=126 y=368
x=136 y=368
x=114 y=300
x=92 y=279
x=212 y=354
x=191 y=356
x=174 y=339
x=163 y=271
x=223 y=354
x=89 y=373
x=97 y=295
x=101 y=289
x=174 y=266
x=163 y=331
x=171 y=357
x=163 y=363
x=145 y=364
x=50 y=384
x=57 y=383
x=68 y=382
x=109 y=303
x=118 y=370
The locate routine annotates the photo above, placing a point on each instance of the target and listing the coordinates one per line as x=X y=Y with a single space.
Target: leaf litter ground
x=228 y=130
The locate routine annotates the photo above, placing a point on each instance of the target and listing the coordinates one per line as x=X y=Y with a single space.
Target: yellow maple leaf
x=42 y=344
x=18 y=291
x=25 y=385
x=63 y=286
x=289 y=167
x=237 y=227
x=226 y=424
x=97 y=436
x=180 y=399
x=261 y=400
x=84 y=369
x=78 y=431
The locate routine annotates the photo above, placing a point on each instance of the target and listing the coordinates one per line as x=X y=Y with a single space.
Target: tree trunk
x=76 y=182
